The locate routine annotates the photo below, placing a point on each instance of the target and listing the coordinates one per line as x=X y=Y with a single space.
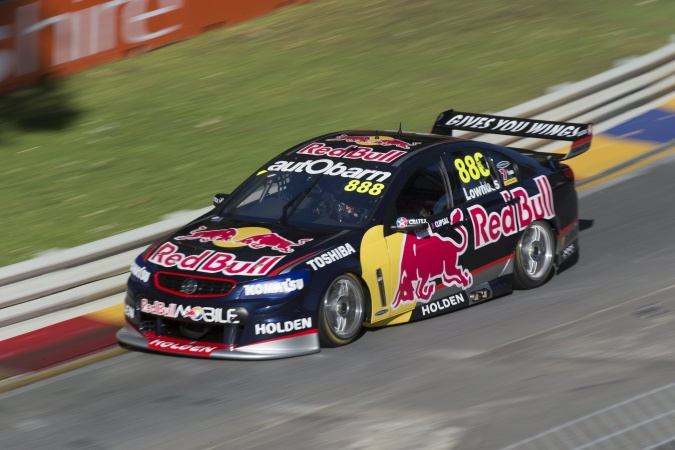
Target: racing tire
x=341 y=311
x=534 y=256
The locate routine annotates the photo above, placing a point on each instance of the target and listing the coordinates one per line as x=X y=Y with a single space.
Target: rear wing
x=580 y=134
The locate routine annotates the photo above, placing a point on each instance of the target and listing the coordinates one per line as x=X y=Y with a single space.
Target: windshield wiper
x=295 y=201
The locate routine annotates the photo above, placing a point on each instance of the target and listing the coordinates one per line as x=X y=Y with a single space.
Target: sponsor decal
x=404 y=222
x=273 y=241
x=497 y=125
x=179 y=347
x=568 y=251
x=382 y=312
x=330 y=168
x=331 y=256
x=205 y=235
x=420 y=264
x=196 y=313
x=488 y=228
x=81 y=33
x=442 y=305
x=139 y=272
x=256 y=241
x=351 y=152
x=129 y=311
x=216 y=218
x=210 y=261
x=384 y=141
x=273 y=288
x=283 y=327
x=508 y=175
x=441 y=222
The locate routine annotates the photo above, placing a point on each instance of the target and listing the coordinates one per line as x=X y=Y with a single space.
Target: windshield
x=306 y=192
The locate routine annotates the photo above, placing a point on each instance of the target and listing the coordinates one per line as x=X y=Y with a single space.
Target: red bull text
x=210 y=261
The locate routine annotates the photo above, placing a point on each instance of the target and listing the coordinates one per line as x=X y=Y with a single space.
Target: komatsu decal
x=273 y=287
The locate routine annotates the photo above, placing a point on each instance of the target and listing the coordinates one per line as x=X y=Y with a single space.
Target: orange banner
x=45 y=39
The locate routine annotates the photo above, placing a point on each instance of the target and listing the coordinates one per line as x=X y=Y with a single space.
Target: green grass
x=123 y=144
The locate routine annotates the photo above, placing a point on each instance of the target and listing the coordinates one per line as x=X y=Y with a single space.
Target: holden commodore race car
x=359 y=229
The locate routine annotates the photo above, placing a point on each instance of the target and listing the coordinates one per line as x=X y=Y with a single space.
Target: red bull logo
x=208 y=261
x=420 y=265
x=257 y=241
x=351 y=152
x=205 y=235
x=384 y=141
x=489 y=228
x=273 y=241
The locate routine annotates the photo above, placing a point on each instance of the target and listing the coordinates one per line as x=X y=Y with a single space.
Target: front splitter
x=304 y=343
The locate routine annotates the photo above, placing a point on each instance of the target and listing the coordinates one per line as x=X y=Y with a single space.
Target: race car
x=359 y=229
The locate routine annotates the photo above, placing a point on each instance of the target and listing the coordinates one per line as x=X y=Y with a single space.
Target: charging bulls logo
x=426 y=259
x=273 y=241
x=252 y=237
x=205 y=235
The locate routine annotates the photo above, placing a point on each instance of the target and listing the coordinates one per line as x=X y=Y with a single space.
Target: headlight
x=276 y=287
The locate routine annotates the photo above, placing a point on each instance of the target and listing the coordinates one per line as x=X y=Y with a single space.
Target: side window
x=473 y=173
x=507 y=170
x=424 y=192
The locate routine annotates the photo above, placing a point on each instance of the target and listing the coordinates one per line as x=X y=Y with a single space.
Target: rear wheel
x=534 y=256
x=341 y=311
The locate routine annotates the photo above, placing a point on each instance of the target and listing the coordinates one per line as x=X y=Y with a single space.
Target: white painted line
x=59 y=316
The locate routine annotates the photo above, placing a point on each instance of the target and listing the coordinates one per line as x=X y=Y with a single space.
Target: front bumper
x=298 y=344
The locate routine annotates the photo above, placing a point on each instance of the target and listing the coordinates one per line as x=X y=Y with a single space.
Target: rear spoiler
x=580 y=134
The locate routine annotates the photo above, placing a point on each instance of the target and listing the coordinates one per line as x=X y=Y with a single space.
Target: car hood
x=217 y=246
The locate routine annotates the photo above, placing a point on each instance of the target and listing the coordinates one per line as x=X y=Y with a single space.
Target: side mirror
x=219 y=198
x=410 y=222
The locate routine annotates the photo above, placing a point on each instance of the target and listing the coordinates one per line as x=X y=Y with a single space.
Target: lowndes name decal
x=331 y=256
x=329 y=167
x=351 y=152
x=488 y=228
x=210 y=261
x=480 y=190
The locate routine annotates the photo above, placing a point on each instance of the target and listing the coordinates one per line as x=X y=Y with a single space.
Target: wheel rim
x=343 y=307
x=536 y=251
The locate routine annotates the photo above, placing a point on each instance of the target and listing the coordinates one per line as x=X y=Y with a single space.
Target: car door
x=479 y=179
x=424 y=262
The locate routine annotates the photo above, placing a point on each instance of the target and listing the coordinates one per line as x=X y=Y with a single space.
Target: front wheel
x=534 y=256
x=341 y=311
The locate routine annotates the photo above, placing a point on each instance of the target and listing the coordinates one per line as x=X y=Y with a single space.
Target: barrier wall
x=46 y=39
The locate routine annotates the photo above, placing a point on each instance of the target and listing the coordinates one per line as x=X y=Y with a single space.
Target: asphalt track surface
x=568 y=365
